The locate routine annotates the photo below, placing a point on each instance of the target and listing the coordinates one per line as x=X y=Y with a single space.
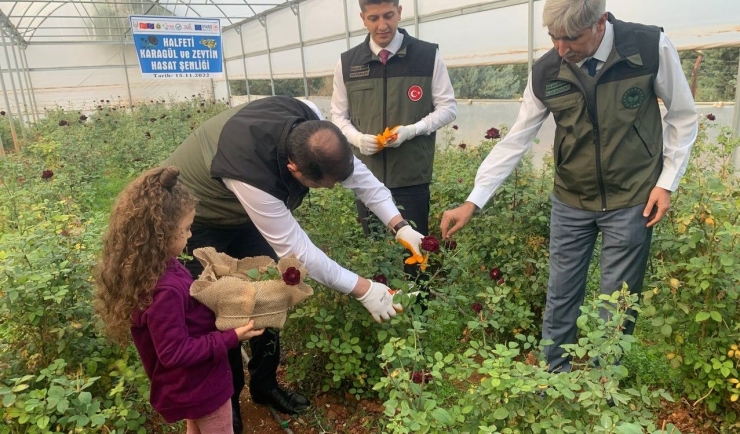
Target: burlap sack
x=227 y=290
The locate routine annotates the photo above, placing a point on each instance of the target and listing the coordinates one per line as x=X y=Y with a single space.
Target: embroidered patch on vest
x=556 y=88
x=356 y=71
x=633 y=97
x=415 y=93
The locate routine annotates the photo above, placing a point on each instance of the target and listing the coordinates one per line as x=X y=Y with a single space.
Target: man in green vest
x=397 y=82
x=615 y=163
x=250 y=167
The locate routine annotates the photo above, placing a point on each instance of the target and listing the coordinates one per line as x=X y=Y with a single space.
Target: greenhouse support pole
x=530 y=36
x=346 y=23
x=2 y=148
x=244 y=61
x=20 y=82
x=12 y=83
x=416 y=19
x=736 y=119
x=297 y=13
x=125 y=72
x=32 y=97
x=9 y=113
x=228 y=85
x=263 y=21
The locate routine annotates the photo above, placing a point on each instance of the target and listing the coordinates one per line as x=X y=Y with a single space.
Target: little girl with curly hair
x=144 y=293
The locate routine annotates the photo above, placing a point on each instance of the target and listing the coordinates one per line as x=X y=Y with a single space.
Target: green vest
x=245 y=143
x=397 y=93
x=608 y=146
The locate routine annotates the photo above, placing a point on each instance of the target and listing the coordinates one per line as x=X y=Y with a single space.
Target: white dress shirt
x=443 y=96
x=281 y=230
x=679 y=131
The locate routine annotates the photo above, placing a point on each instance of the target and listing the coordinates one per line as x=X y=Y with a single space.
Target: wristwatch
x=398 y=226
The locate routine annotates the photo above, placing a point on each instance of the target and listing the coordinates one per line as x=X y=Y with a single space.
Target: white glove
x=367 y=143
x=379 y=302
x=404 y=133
x=410 y=239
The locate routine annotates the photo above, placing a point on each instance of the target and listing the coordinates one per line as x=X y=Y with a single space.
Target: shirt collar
x=393 y=47
x=605 y=48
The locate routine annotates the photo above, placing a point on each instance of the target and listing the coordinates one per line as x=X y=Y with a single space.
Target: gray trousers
x=624 y=255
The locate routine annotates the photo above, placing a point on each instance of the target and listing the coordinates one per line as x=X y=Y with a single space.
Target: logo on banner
x=415 y=93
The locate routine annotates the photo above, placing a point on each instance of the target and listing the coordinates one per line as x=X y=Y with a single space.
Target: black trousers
x=240 y=242
x=413 y=202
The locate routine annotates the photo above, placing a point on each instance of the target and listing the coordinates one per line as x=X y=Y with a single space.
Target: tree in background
x=716 y=75
x=489 y=82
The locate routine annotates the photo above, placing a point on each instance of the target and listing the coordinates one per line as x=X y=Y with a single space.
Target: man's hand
x=378 y=300
x=410 y=239
x=402 y=133
x=367 y=143
x=658 y=204
x=457 y=217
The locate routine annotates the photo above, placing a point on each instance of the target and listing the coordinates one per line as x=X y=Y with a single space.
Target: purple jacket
x=183 y=353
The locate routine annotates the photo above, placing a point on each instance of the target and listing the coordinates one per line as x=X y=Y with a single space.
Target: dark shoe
x=236 y=419
x=281 y=400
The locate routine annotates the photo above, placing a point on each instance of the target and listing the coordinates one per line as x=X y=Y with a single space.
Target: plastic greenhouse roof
x=90 y=21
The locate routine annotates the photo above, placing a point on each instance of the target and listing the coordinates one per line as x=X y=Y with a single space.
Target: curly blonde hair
x=143 y=225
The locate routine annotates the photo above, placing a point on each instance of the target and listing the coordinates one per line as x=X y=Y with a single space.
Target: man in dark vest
x=394 y=81
x=250 y=166
x=615 y=163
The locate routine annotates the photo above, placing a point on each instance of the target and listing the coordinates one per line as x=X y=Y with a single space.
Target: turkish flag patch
x=415 y=93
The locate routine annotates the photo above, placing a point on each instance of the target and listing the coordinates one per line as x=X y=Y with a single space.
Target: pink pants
x=218 y=422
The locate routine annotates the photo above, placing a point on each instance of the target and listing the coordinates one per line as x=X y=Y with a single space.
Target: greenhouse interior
x=97 y=92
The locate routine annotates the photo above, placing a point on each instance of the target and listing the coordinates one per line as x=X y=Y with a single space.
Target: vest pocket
x=645 y=137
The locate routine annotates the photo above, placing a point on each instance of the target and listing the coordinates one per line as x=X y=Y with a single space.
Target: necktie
x=590 y=64
x=384 y=54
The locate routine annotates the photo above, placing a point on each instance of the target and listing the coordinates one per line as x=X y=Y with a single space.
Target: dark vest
x=245 y=143
x=608 y=147
x=397 y=93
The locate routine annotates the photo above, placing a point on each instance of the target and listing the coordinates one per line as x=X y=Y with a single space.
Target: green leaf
x=501 y=413
x=666 y=330
x=702 y=316
x=253 y=273
x=85 y=397
x=43 y=422
x=8 y=400
x=442 y=416
x=716 y=316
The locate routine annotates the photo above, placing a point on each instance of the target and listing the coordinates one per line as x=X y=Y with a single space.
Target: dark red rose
x=477 y=307
x=495 y=273
x=202 y=104
x=46 y=174
x=2 y=112
x=381 y=279
x=102 y=100
x=359 y=220
x=420 y=377
x=459 y=180
x=493 y=133
x=162 y=116
x=430 y=243
x=711 y=117
x=148 y=135
x=21 y=180
x=83 y=118
x=462 y=146
x=454 y=127
x=107 y=100
x=450 y=244
x=501 y=281
x=292 y=276
x=63 y=123
x=189 y=116
x=152 y=119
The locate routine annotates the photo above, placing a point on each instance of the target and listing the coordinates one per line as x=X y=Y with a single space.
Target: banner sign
x=174 y=47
